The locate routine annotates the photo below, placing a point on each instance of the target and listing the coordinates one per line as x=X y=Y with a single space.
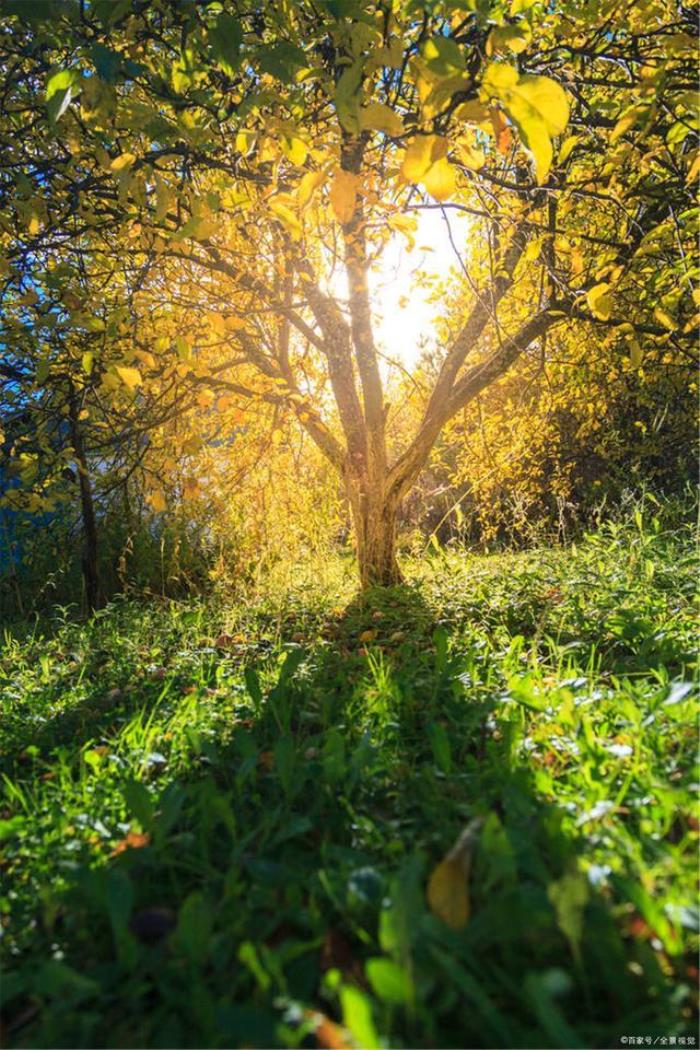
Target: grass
x=219 y=819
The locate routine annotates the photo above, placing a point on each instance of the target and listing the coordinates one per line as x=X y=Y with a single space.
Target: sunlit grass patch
x=219 y=821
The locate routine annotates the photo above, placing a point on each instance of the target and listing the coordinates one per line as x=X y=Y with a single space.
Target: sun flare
x=409 y=283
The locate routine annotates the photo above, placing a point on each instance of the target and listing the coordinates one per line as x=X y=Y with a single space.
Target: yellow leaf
x=599 y=301
x=406 y=225
x=391 y=56
x=190 y=488
x=294 y=149
x=205 y=398
x=473 y=112
x=368 y=636
x=379 y=117
x=468 y=152
x=548 y=99
x=343 y=195
x=513 y=38
x=245 y=140
x=288 y=219
x=665 y=319
x=533 y=133
x=538 y=107
x=440 y=180
x=629 y=118
x=567 y=146
x=308 y=184
x=234 y=324
x=498 y=77
x=131 y=377
x=635 y=353
x=577 y=263
x=145 y=358
x=122 y=162
x=164 y=199
x=157 y=501
x=217 y=322
x=422 y=151
x=448 y=886
x=694 y=170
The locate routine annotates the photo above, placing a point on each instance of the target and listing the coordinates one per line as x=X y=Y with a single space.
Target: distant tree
x=236 y=155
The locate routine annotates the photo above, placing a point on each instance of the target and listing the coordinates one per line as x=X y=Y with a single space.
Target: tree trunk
x=374 y=517
x=87 y=510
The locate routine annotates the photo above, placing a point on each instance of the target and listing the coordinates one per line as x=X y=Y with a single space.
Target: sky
x=403 y=312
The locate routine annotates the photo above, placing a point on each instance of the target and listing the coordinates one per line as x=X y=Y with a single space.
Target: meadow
x=220 y=815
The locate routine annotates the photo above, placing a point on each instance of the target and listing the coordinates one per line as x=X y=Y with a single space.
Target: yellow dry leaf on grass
x=448 y=886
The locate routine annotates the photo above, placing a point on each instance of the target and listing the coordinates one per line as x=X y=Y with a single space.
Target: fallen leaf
x=448 y=886
x=132 y=840
x=328 y=1034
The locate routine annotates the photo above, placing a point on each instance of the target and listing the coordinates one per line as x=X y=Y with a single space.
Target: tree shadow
x=298 y=847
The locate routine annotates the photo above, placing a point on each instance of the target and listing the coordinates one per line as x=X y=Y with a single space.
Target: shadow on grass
x=296 y=852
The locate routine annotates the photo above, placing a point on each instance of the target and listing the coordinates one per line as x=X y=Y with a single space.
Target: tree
x=234 y=156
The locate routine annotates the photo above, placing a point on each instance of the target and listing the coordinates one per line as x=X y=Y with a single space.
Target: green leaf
x=183 y=348
x=61 y=88
x=56 y=980
x=139 y=802
x=281 y=60
x=346 y=98
x=58 y=82
x=106 y=62
x=285 y=763
x=542 y=989
x=252 y=682
x=247 y=954
x=11 y=827
x=357 y=1017
x=119 y=899
x=443 y=56
x=569 y=896
x=440 y=743
x=389 y=981
x=194 y=926
x=226 y=38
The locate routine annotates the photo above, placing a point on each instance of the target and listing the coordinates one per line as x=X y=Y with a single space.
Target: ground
x=220 y=815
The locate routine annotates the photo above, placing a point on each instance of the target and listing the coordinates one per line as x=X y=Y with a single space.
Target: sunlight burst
x=409 y=284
